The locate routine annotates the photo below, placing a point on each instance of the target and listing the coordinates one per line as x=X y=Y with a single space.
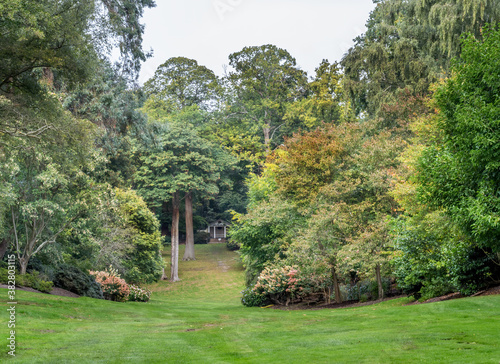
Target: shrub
x=46 y=269
x=33 y=280
x=419 y=260
x=77 y=281
x=201 y=237
x=472 y=270
x=435 y=287
x=353 y=292
x=277 y=284
x=142 y=261
x=232 y=245
x=4 y=275
x=113 y=287
x=251 y=298
x=363 y=298
x=287 y=284
x=365 y=290
x=139 y=294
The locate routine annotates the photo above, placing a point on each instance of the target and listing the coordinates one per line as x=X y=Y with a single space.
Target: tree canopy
x=463 y=174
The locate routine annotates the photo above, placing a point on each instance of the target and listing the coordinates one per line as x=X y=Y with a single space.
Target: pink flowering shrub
x=283 y=285
x=280 y=284
x=113 y=287
x=139 y=294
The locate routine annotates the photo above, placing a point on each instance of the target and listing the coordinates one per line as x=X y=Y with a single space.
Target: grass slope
x=200 y=320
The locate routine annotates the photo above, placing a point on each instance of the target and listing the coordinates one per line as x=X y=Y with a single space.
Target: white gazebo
x=218 y=231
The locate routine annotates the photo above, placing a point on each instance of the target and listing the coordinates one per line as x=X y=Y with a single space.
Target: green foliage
x=178 y=84
x=262 y=187
x=33 y=35
x=264 y=79
x=142 y=261
x=324 y=102
x=33 y=280
x=419 y=262
x=472 y=269
x=77 y=281
x=182 y=162
x=365 y=290
x=49 y=164
x=250 y=298
x=136 y=211
x=68 y=36
x=123 y=24
x=108 y=102
x=462 y=174
x=433 y=257
x=264 y=234
x=450 y=235
x=201 y=237
x=332 y=184
x=407 y=46
x=434 y=287
x=232 y=245
x=47 y=180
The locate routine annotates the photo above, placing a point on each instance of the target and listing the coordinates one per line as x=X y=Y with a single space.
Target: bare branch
x=29 y=134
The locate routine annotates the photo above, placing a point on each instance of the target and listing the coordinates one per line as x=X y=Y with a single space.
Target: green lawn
x=200 y=320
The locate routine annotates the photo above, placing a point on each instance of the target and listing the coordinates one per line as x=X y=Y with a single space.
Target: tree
x=264 y=79
x=265 y=232
x=408 y=46
x=109 y=103
x=182 y=91
x=68 y=36
x=310 y=174
x=462 y=174
x=143 y=261
x=446 y=166
x=181 y=162
x=47 y=156
x=286 y=215
x=42 y=174
x=179 y=83
x=338 y=178
x=312 y=160
x=324 y=101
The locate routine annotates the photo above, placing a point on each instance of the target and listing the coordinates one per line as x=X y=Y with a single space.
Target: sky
x=210 y=30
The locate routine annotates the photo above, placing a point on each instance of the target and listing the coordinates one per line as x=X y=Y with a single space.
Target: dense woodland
x=377 y=174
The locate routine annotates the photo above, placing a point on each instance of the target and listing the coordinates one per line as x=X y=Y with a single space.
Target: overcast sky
x=210 y=30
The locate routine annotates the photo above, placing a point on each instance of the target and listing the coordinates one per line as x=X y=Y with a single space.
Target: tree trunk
x=174 y=267
x=3 y=248
x=23 y=265
x=379 y=282
x=163 y=275
x=189 y=252
x=267 y=139
x=336 y=286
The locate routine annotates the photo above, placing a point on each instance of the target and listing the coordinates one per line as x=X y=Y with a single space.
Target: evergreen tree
x=408 y=45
